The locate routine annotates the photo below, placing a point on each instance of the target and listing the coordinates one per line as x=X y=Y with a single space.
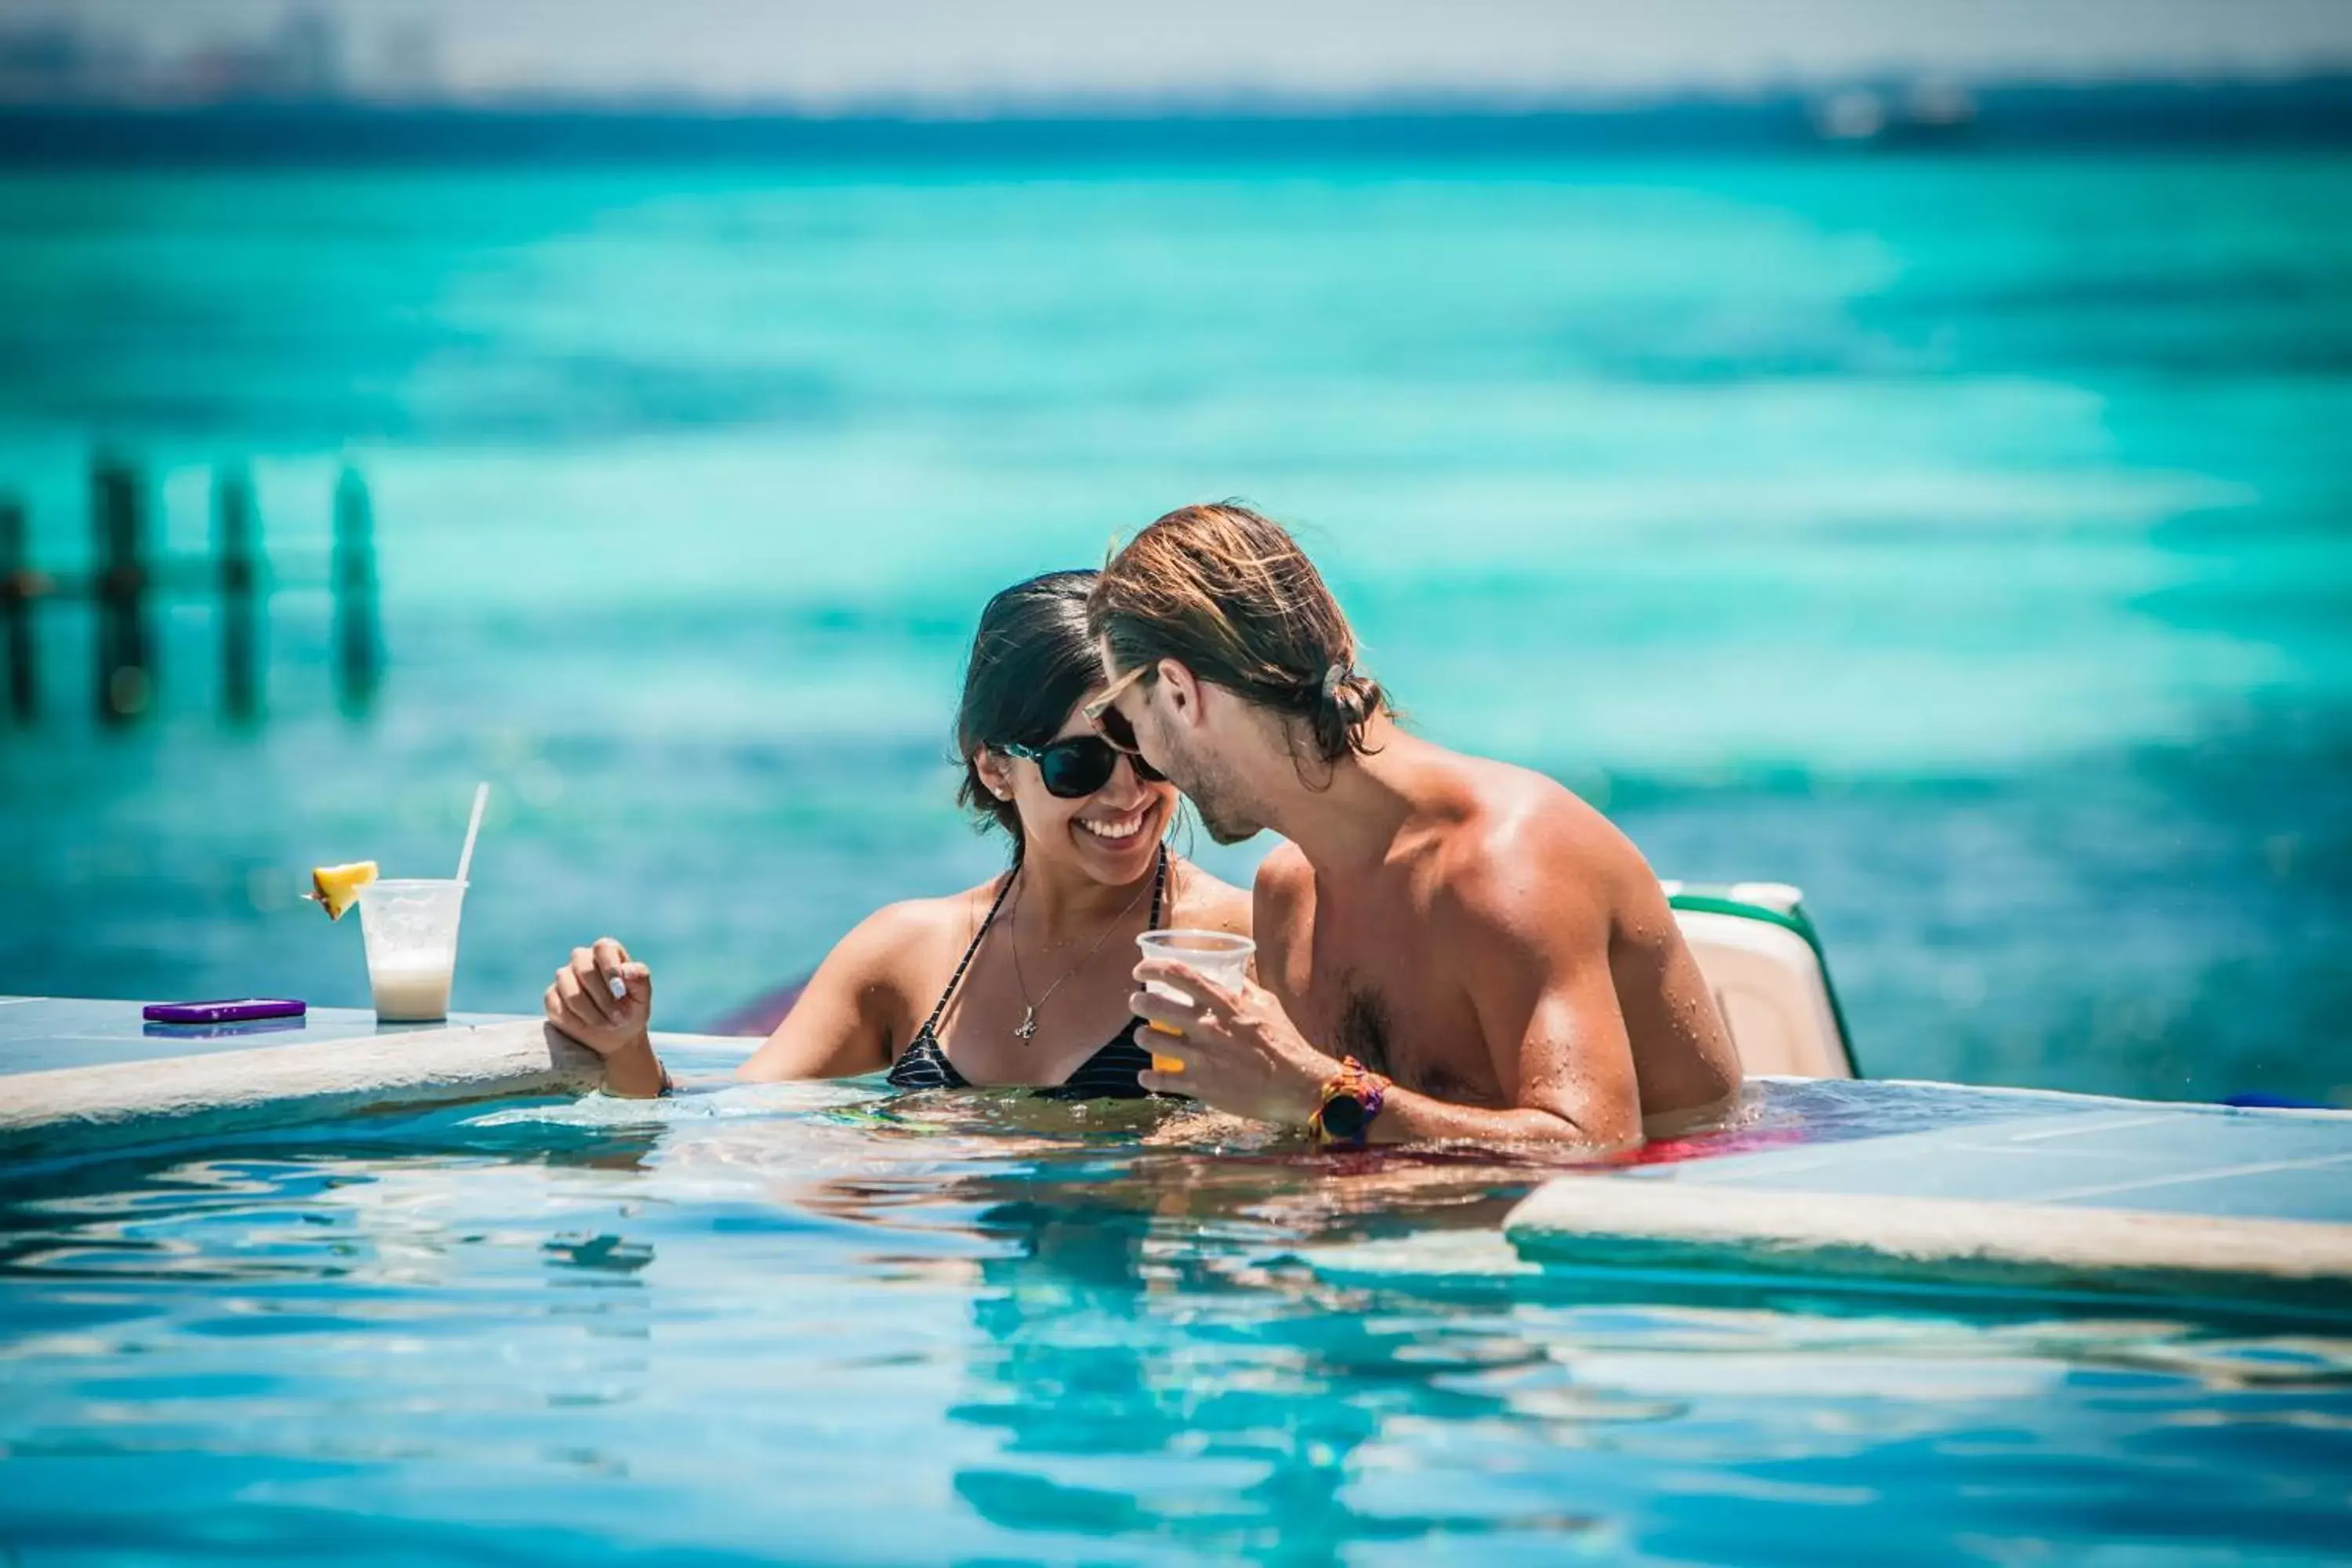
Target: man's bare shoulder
x=1203 y=902
x=1283 y=877
x=1283 y=911
x=1516 y=847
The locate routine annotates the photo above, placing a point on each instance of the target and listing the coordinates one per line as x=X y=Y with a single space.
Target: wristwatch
x=1351 y=1097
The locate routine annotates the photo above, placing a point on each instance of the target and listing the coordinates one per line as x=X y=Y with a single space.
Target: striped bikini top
x=1109 y=1074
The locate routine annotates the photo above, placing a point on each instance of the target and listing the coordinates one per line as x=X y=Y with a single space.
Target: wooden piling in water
x=359 y=647
x=235 y=542
x=19 y=586
x=125 y=643
x=126 y=579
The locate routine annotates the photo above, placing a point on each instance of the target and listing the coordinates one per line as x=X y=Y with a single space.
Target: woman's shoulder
x=902 y=942
x=1199 y=901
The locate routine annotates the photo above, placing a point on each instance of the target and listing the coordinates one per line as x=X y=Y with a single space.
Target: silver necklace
x=1026 y=1030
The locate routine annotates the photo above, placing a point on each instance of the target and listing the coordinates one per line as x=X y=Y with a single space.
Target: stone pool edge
x=1612 y=1221
x=69 y=1109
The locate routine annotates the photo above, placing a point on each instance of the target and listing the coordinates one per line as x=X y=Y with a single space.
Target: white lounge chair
x=1763 y=961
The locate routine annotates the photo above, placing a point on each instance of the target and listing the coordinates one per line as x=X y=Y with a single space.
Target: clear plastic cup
x=411 y=928
x=1214 y=955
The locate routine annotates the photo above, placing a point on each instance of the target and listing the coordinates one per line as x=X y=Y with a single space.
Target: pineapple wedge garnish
x=337 y=888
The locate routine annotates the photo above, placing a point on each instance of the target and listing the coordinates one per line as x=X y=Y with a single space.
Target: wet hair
x=1228 y=594
x=1032 y=660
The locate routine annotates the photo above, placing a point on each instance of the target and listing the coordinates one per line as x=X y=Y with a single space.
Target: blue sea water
x=822 y=1323
x=1963 y=538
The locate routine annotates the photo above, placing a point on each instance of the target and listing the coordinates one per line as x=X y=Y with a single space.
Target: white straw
x=481 y=799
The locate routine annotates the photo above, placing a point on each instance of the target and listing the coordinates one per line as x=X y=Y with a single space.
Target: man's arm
x=1535 y=961
x=1280 y=898
x=1526 y=925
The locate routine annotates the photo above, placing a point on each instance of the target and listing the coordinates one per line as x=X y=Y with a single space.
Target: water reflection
x=1141 y=1395
x=1137 y=1396
x=142 y=1213
x=1167 y=1356
x=872 y=1326
x=1157 y=1365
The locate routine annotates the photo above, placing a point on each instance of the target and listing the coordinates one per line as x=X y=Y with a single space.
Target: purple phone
x=238 y=1011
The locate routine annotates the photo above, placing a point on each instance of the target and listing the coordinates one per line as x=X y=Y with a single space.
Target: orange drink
x=1217 y=956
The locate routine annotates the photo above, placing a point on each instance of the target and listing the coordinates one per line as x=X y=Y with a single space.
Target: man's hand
x=1241 y=1052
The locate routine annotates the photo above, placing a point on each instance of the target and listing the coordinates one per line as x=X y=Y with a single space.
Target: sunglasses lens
x=1076 y=768
x=1121 y=734
x=1072 y=769
x=1117 y=730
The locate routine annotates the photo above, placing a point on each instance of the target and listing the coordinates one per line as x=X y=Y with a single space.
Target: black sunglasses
x=1111 y=724
x=1076 y=768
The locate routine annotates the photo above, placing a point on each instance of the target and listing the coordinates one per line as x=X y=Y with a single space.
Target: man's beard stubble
x=1211 y=790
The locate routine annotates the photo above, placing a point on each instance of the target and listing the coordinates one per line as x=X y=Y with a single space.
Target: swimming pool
x=813 y=1323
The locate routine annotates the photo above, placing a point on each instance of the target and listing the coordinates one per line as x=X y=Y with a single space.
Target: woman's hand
x=1240 y=1050
x=602 y=999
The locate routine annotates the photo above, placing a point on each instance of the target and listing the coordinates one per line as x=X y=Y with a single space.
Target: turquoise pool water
x=810 y=1323
x=1961 y=537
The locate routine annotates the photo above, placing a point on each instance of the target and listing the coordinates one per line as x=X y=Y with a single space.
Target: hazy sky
x=942 y=51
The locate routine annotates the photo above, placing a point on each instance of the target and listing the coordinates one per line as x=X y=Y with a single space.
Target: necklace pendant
x=1027 y=1028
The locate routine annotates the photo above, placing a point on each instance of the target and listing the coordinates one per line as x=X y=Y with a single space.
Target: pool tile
x=2194 y=1159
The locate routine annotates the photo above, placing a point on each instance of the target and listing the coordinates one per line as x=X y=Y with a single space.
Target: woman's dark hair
x=1032 y=660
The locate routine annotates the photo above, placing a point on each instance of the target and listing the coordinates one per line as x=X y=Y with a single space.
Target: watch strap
x=1362 y=1090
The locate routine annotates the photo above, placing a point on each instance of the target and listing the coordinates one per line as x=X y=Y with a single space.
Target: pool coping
x=340 y=1063
x=1813 y=1210
x=1620 y=1221
x=2133 y=1196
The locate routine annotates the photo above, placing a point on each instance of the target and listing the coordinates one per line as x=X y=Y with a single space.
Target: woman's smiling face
x=1111 y=834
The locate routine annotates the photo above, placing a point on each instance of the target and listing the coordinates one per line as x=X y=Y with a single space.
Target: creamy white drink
x=408 y=993
x=411 y=927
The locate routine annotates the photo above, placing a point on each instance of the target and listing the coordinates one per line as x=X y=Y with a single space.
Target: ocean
x=1964 y=537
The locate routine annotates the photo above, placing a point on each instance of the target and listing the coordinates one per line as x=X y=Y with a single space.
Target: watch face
x=1343 y=1116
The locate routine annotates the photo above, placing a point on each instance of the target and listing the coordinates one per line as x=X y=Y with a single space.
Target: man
x=1448 y=948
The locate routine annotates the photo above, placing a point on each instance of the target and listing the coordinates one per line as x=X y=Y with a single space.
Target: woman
x=1023 y=980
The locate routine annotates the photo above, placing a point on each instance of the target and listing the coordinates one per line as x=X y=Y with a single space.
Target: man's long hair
x=1228 y=594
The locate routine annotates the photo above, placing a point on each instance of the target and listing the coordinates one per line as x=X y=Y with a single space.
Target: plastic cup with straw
x=410 y=925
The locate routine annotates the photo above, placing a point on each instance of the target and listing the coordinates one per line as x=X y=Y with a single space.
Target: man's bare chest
x=1385 y=999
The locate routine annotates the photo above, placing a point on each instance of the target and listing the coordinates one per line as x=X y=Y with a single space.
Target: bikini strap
x=957 y=978
x=1159 y=888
